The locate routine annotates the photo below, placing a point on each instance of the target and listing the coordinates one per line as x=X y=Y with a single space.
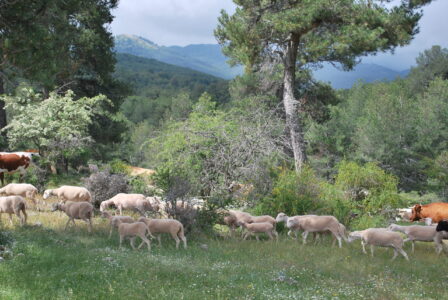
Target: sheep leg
x=304 y=236
x=363 y=247
x=371 y=250
x=292 y=234
x=275 y=234
x=395 y=254
x=110 y=231
x=403 y=253
x=174 y=236
x=246 y=235
x=120 y=209
x=121 y=240
x=132 y=239
x=184 y=240
x=66 y=224
x=89 y=223
x=316 y=237
x=159 y=238
x=145 y=240
x=339 y=241
x=10 y=219
x=413 y=242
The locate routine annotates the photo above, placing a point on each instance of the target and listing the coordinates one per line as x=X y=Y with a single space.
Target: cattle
x=436 y=211
x=14 y=162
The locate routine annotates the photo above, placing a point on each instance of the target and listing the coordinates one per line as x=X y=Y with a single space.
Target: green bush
x=366 y=221
x=335 y=204
x=293 y=193
x=119 y=167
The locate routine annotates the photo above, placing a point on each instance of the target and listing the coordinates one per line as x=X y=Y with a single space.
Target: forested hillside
x=154 y=84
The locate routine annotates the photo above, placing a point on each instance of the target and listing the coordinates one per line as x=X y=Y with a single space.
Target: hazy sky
x=183 y=22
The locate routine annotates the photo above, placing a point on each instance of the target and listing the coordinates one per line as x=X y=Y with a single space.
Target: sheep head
x=281 y=217
x=56 y=206
x=355 y=235
x=47 y=194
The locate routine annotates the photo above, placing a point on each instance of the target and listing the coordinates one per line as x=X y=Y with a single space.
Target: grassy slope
x=76 y=265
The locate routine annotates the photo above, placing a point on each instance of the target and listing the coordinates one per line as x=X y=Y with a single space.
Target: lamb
x=14 y=205
x=417 y=233
x=133 y=230
x=253 y=228
x=114 y=220
x=233 y=217
x=379 y=237
x=20 y=189
x=76 y=210
x=171 y=226
x=69 y=193
x=123 y=201
x=320 y=224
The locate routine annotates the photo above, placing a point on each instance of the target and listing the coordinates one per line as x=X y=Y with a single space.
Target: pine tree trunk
x=293 y=122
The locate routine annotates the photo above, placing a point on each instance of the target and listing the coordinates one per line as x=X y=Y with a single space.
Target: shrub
x=103 y=185
x=37 y=176
x=293 y=193
x=366 y=221
x=119 y=167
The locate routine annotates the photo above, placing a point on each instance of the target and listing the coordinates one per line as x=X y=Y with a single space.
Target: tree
x=60 y=45
x=57 y=126
x=305 y=32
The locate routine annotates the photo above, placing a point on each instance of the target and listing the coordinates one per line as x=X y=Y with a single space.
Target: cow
x=436 y=211
x=11 y=163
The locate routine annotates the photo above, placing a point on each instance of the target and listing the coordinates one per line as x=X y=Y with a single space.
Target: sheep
x=69 y=193
x=253 y=228
x=441 y=233
x=291 y=223
x=379 y=237
x=14 y=205
x=113 y=220
x=123 y=201
x=417 y=233
x=320 y=224
x=233 y=217
x=171 y=226
x=76 y=210
x=20 y=189
x=262 y=219
x=133 y=230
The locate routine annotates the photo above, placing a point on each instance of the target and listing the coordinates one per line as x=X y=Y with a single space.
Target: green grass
x=77 y=265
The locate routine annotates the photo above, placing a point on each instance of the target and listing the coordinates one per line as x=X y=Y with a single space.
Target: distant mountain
x=364 y=72
x=206 y=58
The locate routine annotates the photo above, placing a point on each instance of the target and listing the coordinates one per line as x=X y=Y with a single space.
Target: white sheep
x=418 y=233
x=25 y=190
x=320 y=224
x=379 y=237
x=232 y=218
x=69 y=193
x=291 y=223
x=133 y=230
x=262 y=219
x=76 y=210
x=171 y=226
x=13 y=205
x=263 y=227
x=114 y=220
x=122 y=201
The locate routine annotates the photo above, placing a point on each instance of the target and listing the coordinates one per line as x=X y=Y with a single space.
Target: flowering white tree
x=56 y=126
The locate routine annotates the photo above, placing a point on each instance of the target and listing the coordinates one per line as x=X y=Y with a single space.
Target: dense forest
x=300 y=145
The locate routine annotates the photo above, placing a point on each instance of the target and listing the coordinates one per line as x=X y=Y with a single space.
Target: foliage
x=213 y=147
x=438 y=175
x=293 y=193
x=368 y=221
x=103 y=185
x=163 y=91
x=57 y=126
x=369 y=187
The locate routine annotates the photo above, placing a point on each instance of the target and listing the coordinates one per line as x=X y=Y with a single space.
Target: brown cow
x=11 y=163
x=436 y=211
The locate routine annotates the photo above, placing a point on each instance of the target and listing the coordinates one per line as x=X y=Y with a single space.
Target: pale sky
x=183 y=22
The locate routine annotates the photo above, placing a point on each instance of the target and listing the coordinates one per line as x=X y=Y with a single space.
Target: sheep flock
x=75 y=202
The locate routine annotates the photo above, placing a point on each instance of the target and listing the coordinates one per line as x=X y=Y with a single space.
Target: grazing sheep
x=136 y=202
x=14 y=205
x=253 y=228
x=69 y=193
x=25 y=190
x=233 y=217
x=379 y=237
x=171 y=226
x=133 y=230
x=113 y=220
x=319 y=224
x=76 y=210
x=417 y=233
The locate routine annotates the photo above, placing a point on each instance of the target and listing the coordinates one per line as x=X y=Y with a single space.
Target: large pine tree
x=304 y=32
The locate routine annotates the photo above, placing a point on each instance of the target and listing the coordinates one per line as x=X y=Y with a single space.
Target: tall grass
x=73 y=264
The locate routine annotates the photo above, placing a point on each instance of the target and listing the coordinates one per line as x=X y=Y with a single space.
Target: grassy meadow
x=49 y=263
